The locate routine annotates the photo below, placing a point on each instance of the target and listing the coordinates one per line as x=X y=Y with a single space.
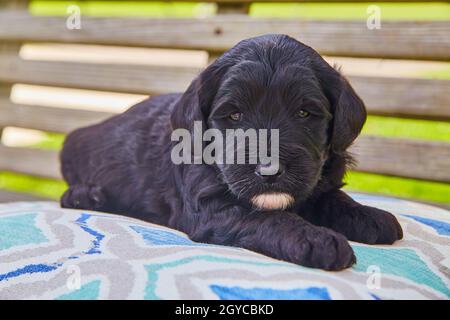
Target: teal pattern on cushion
x=88 y=291
x=187 y=269
x=399 y=262
x=20 y=230
x=238 y=293
x=45 y=267
x=153 y=269
x=441 y=227
x=159 y=237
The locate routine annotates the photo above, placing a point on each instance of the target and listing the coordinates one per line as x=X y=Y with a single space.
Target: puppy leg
x=337 y=211
x=281 y=235
x=83 y=197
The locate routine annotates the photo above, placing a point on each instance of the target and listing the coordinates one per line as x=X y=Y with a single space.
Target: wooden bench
x=399 y=97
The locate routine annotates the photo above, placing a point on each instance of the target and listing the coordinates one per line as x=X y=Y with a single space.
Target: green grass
x=381 y=126
x=52 y=141
x=353 y=11
x=126 y=8
x=326 y=11
x=46 y=188
x=443 y=74
x=407 y=128
x=399 y=187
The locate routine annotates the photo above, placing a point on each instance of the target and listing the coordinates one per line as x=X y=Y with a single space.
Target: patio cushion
x=51 y=253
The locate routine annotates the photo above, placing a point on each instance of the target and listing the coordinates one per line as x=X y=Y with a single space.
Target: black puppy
x=123 y=165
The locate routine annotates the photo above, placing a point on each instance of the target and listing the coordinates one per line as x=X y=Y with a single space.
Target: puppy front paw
x=325 y=249
x=83 y=197
x=375 y=226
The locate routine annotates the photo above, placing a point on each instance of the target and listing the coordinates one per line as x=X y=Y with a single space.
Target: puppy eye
x=303 y=114
x=236 y=116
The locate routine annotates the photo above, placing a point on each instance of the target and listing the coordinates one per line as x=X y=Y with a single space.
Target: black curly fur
x=123 y=164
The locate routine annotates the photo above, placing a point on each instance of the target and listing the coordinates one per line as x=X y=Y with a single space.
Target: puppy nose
x=268 y=177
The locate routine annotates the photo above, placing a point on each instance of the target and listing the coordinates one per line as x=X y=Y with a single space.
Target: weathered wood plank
x=233 y=7
x=404 y=97
x=428 y=40
x=396 y=157
x=5 y=90
x=47 y=118
x=12 y=47
x=43 y=163
x=109 y=77
x=8 y=196
x=426 y=160
x=14 y=4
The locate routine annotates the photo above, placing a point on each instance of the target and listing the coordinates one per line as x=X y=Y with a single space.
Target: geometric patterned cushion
x=51 y=253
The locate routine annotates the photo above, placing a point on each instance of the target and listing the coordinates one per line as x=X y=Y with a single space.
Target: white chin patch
x=272 y=201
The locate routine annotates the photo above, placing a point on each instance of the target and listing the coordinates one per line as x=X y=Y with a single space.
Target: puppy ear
x=349 y=116
x=195 y=103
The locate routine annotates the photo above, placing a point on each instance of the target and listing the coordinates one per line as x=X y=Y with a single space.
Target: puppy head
x=275 y=82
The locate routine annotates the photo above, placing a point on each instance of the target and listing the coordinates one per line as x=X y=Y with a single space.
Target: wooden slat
x=233 y=8
x=397 y=157
x=14 y=4
x=12 y=47
x=8 y=196
x=404 y=97
x=43 y=163
x=47 y=118
x=110 y=77
x=428 y=40
x=427 y=160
